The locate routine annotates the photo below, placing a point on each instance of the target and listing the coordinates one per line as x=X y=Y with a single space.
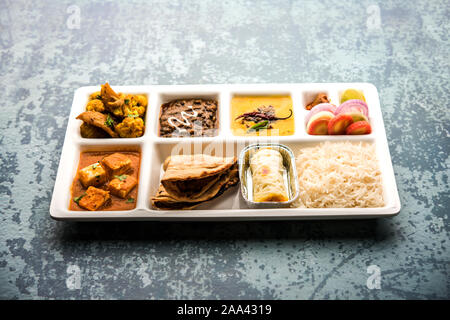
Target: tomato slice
x=339 y=124
x=360 y=127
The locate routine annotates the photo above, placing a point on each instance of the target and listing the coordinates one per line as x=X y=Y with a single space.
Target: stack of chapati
x=190 y=180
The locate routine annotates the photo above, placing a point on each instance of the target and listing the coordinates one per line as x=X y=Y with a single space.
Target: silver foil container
x=290 y=175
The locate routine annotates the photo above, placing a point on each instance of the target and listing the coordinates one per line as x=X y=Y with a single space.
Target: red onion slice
x=319 y=108
x=353 y=105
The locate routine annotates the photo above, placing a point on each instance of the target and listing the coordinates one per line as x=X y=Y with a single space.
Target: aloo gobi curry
x=113 y=115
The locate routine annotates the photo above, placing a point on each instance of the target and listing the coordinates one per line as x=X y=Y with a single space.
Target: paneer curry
x=106 y=181
x=113 y=115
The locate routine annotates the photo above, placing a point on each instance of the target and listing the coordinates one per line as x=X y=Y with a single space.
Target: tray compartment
x=83 y=98
x=228 y=200
x=265 y=91
x=169 y=94
x=388 y=195
x=69 y=175
x=335 y=94
x=289 y=175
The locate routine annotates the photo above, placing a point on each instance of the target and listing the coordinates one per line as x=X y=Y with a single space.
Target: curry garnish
x=259 y=126
x=121 y=177
x=109 y=121
x=77 y=199
x=262 y=117
x=263 y=113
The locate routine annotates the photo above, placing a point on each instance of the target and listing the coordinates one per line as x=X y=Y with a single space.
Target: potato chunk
x=94 y=199
x=117 y=164
x=88 y=131
x=98 y=119
x=93 y=175
x=122 y=185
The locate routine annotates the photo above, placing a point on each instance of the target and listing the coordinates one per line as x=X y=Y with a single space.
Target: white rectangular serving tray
x=230 y=205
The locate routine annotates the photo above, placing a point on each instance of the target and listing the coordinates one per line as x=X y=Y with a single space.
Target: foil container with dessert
x=268 y=176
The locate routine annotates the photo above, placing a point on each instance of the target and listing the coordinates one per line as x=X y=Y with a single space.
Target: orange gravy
x=116 y=203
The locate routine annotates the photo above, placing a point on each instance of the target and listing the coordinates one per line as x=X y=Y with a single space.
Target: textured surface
x=402 y=47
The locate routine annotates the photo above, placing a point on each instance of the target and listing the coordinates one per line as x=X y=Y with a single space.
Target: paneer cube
x=94 y=199
x=122 y=185
x=116 y=164
x=93 y=175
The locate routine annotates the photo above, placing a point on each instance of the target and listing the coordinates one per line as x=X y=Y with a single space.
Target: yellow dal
x=244 y=104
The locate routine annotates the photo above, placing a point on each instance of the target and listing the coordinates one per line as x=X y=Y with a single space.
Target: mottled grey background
x=406 y=56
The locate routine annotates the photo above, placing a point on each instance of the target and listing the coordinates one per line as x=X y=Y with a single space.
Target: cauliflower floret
x=134 y=104
x=131 y=127
x=95 y=105
x=137 y=110
x=118 y=112
x=95 y=95
x=141 y=100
